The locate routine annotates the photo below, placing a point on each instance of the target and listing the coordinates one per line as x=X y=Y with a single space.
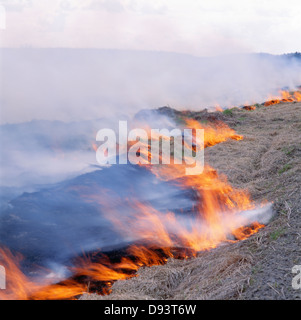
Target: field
x=267 y=162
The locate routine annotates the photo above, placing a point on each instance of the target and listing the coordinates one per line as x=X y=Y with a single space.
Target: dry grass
x=268 y=164
x=217 y=274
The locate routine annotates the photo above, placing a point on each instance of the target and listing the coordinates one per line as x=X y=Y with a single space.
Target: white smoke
x=83 y=84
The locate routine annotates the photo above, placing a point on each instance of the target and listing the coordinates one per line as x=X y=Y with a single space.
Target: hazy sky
x=199 y=27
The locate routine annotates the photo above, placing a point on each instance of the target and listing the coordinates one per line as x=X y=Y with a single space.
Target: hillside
x=267 y=162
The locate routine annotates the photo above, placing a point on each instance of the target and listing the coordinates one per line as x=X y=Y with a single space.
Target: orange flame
x=284 y=96
x=218 y=108
x=20 y=287
x=297 y=96
x=214 y=134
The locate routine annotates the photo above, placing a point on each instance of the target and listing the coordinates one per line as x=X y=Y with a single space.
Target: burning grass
x=284 y=96
x=218 y=222
x=260 y=266
x=219 y=273
x=219 y=213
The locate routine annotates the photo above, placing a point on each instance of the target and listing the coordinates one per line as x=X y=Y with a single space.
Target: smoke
x=62 y=213
x=42 y=152
x=262 y=214
x=84 y=84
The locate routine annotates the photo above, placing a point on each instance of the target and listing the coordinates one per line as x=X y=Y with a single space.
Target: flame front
x=218 y=213
x=284 y=96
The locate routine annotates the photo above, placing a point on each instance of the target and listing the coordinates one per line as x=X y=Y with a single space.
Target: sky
x=197 y=27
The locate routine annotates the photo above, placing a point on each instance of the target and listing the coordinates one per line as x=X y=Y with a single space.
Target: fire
x=218 y=214
x=218 y=108
x=297 y=96
x=284 y=96
x=249 y=108
x=20 y=287
x=214 y=134
x=245 y=232
x=218 y=204
x=271 y=102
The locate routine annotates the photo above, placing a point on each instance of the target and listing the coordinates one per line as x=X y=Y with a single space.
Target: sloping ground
x=268 y=164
